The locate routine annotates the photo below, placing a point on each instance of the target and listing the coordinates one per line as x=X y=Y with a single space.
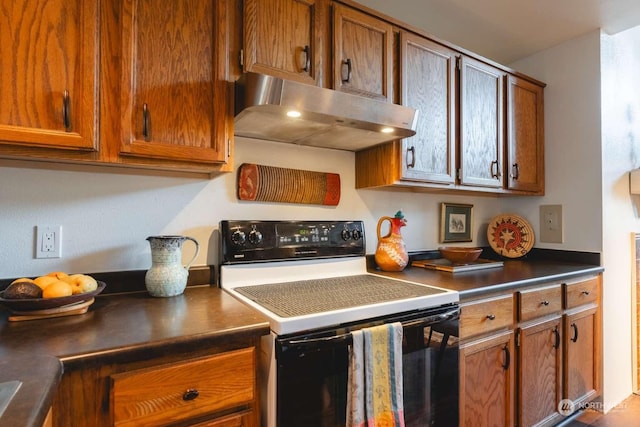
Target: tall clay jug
x=167 y=276
x=391 y=253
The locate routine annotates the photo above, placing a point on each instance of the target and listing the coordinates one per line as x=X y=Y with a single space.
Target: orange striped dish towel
x=374 y=394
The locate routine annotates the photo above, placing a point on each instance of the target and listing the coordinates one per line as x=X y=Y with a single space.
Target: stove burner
x=305 y=297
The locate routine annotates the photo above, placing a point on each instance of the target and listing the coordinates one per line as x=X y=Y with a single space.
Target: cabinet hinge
x=241 y=57
x=517 y=338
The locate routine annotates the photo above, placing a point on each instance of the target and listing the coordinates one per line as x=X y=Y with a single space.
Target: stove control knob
x=356 y=234
x=255 y=237
x=238 y=237
x=346 y=234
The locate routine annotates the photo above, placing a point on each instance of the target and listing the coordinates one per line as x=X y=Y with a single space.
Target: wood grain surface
x=273 y=184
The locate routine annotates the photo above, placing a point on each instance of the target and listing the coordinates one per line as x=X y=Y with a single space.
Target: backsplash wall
x=106 y=217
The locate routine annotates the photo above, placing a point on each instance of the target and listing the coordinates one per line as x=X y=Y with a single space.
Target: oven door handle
x=315 y=343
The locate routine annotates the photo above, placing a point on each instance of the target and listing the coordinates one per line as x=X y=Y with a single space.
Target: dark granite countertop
x=116 y=327
x=119 y=326
x=514 y=274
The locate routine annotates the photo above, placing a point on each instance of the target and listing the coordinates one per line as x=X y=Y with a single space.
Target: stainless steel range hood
x=328 y=118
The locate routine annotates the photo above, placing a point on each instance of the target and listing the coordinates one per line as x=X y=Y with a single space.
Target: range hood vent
x=327 y=118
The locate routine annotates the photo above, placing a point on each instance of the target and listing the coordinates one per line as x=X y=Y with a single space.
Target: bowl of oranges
x=52 y=290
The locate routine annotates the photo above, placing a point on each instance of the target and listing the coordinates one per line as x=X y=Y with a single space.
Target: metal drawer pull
x=146 y=122
x=411 y=150
x=190 y=394
x=347 y=62
x=66 y=115
x=575 y=332
x=495 y=174
x=307 y=58
x=516 y=172
x=585 y=292
x=544 y=303
x=491 y=316
x=556 y=332
x=507 y=357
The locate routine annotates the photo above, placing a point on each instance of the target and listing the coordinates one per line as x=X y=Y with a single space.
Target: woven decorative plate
x=510 y=235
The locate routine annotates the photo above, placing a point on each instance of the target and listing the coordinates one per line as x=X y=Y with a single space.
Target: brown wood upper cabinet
x=525 y=136
x=283 y=38
x=481 y=124
x=48 y=74
x=173 y=103
x=154 y=76
x=428 y=79
x=362 y=54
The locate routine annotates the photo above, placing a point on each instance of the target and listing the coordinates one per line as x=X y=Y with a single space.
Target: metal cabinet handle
x=507 y=357
x=190 y=394
x=347 y=62
x=556 y=332
x=545 y=303
x=66 y=114
x=515 y=171
x=491 y=316
x=585 y=292
x=146 y=122
x=307 y=58
x=574 y=338
x=494 y=167
x=412 y=163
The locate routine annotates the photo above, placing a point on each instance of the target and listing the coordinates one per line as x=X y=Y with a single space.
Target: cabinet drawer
x=539 y=302
x=487 y=315
x=170 y=393
x=580 y=293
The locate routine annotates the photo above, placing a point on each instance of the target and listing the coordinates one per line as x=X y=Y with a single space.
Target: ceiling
x=507 y=30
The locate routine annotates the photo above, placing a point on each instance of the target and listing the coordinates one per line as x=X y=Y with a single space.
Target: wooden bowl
x=460 y=255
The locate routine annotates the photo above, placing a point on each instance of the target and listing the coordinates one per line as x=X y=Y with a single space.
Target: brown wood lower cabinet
x=539 y=382
x=486 y=381
x=217 y=389
x=549 y=344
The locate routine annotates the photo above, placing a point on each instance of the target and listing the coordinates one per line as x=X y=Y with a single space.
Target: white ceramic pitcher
x=167 y=276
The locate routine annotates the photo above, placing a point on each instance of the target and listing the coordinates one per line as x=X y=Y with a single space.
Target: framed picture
x=456 y=223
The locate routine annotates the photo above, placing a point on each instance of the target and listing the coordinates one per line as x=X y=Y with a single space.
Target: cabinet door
x=486 y=381
x=174 y=95
x=581 y=378
x=280 y=38
x=362 y=54
x=525 y=136
x=428 y=79
x=481 y=124
x=539 y=373
x=48 y=73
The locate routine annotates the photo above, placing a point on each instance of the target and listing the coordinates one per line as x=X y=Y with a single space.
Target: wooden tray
x=273 y=184
x=446 y=265
x=66 y=310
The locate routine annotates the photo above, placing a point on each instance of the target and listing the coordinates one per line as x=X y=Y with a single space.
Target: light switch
x=551 y=224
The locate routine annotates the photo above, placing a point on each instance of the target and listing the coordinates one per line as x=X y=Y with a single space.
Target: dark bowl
x=460 y=255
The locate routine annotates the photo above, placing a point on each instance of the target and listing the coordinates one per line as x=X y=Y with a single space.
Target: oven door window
x=312 y=379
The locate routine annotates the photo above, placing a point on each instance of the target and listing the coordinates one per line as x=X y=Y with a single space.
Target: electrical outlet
x=551 y=224
x=48 y=241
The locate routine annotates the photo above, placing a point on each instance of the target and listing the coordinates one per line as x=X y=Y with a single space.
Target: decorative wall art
x=456 y=223
x=273 y=184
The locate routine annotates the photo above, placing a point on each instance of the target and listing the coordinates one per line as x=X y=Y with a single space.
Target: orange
x=57 y=289
x=44 y=281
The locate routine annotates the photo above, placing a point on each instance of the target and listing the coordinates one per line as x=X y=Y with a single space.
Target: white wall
x=106 y=217
x=620 y=154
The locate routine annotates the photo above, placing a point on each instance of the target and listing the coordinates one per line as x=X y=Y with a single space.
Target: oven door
x=312 y=371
